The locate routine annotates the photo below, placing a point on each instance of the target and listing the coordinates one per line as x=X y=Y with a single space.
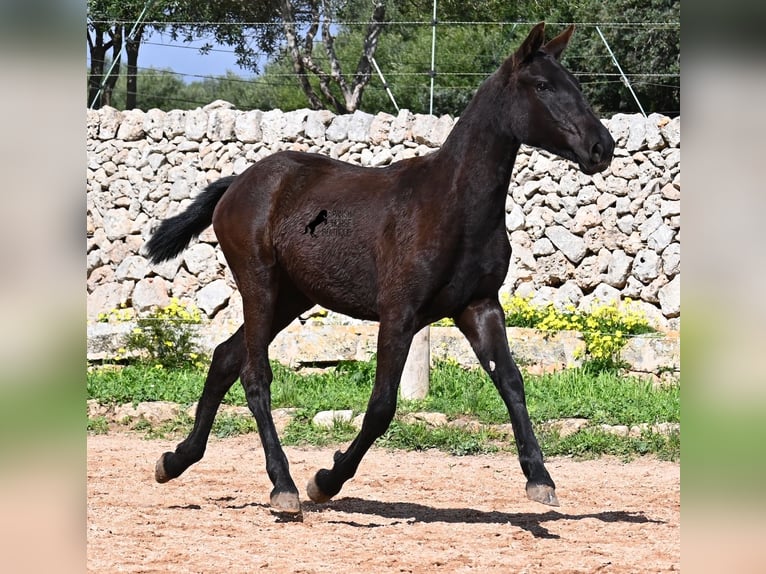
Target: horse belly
x=342 y=280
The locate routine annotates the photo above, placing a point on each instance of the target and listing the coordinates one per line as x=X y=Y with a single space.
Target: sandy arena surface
x=403 y=512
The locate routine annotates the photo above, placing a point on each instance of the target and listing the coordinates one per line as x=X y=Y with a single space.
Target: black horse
x=427 y=240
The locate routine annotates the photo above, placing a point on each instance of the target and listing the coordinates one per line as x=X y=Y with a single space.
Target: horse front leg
x=393 y=346
x=225 y=366
x=483 y=324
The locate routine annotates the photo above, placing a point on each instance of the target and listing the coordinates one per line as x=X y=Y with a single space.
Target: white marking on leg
x=492 y=366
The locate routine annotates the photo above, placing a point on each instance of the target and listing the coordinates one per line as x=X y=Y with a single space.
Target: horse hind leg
x=225 y=366
x=393 y=346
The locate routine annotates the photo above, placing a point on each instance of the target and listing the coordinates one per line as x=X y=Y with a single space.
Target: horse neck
x=478 y=154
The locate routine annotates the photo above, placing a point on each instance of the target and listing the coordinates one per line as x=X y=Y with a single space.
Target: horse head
x=549 y=109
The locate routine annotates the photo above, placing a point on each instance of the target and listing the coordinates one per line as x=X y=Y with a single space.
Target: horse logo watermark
x=333 y=222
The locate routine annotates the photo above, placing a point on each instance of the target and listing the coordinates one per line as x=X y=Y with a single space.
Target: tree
x=643 y=52
x=301 y=52
x=111 y=21
x=117 y=19
x=102 y=36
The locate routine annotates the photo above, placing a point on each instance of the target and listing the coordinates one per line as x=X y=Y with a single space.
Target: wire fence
x=597 y=69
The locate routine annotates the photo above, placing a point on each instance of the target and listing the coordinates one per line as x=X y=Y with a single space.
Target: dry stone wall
x=575 y=238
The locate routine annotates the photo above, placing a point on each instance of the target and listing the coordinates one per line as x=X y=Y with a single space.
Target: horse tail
x=175 y=233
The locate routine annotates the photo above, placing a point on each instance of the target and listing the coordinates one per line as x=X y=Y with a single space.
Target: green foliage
x=594 y=442
x=347 y=386
x=165 y=337
x=640 y=49
x=300 y=431
x=227 y=425
x=98 y=425
x=605 y=328
x=456 y=441
x=141 y=382
x=465 y=54
x=601 y=397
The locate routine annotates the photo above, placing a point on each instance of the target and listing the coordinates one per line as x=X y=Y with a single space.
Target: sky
x=158 y=52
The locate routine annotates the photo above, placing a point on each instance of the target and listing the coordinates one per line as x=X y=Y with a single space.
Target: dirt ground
x=403 y=512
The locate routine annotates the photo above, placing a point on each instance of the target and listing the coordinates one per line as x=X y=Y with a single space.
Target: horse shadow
x=412 y=513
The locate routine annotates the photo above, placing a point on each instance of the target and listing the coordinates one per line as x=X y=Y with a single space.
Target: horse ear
x=556 y=46
x=530 y=46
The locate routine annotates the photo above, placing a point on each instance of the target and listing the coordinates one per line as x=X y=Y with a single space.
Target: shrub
x=605 y=328
x=164 y=337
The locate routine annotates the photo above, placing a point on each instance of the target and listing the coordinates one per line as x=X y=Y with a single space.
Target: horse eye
x=542 y=86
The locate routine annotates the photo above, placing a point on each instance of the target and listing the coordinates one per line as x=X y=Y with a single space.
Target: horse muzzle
x=599 y=153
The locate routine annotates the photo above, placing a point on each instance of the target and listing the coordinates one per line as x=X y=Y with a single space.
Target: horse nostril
x=596 y=152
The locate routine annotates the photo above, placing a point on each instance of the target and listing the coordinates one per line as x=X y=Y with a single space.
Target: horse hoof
x=315 y=493
x=542 y=493
x=286 y=505
x=160 y=475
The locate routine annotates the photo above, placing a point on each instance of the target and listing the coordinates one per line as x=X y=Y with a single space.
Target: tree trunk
x=288 y=22
x=132 y=46
x=303 y=60
x=97 y=50
x=111 y=79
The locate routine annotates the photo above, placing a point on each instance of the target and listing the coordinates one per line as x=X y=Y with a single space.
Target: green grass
x=602 y=397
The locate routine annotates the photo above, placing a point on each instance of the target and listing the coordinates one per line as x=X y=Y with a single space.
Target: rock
x=401 y=127
x=671 y=260
x=154 y=412
x=427 y=418
x=247 y=126
x=543 y=296
x=316 y=124
x=383 y=157
x=542 y=246
x=213 y=296
x=588 y=273
x=200 y=258
x=358 y=421
x=554 y=269
x=646 y=265
x=132 y=125
x=670 y=208
x=149 y=293
x=109 y=123
x=670 y=298
x=661 y=238
x=671 y=131
x=515 y=219
x=421 y=129
x=338 y=129
x=637 y=135
x=441 y=130
x=618 y=269
x=359 y=126
x=195 y=126
x=567 y=427
x=327 y=419
x=380 y=127
x=586 y=217
x=570 y=245
x=294 y=126
x=220 y=125
x=132 y=267
x=602 y=295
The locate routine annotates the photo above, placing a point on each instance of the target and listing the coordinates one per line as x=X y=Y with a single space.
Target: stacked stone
x=574 y=237
x=606 y=237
